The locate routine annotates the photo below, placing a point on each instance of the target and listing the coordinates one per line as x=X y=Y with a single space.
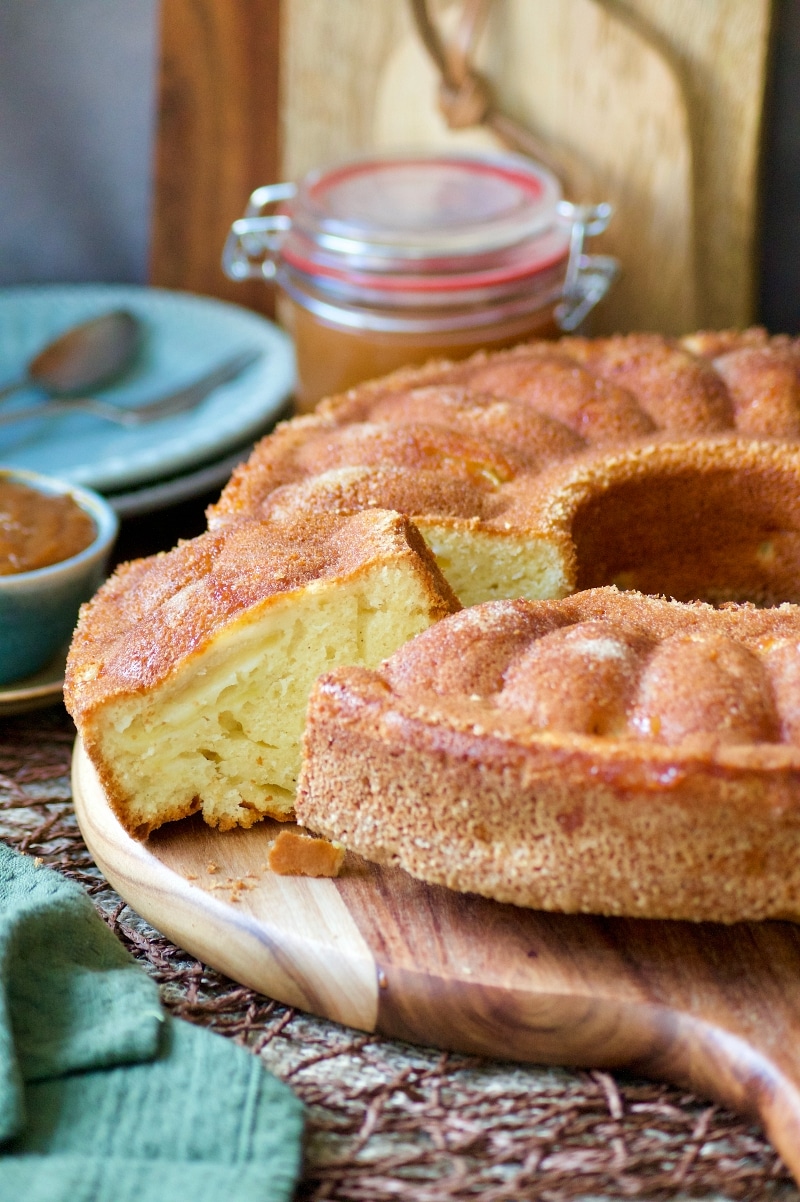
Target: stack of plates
x=145 y=468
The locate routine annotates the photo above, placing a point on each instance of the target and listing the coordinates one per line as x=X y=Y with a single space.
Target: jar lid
x=427 y=217
x=455 y=231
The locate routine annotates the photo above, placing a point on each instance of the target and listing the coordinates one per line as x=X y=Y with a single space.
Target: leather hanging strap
x=465 y=95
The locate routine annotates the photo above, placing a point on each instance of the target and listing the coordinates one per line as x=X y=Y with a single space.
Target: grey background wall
x=77 y=92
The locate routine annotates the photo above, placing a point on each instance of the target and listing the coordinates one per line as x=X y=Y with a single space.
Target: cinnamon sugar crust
x=605 y=751
x=467 y=450
x=189 y=672
x=609 y=752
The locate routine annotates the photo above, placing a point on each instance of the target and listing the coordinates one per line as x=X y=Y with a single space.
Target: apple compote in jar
x=391 y=261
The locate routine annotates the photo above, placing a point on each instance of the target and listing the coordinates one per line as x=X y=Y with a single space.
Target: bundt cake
x=189 y=672
x=460 y=448
x=609 y=753
x=664 y=466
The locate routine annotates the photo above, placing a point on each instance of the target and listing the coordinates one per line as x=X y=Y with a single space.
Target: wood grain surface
x=721 y=53
x=217 y=138
x=662 y=103
x=577 y=74
x=713 y=1008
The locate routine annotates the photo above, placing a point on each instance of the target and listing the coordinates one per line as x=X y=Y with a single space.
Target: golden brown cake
x=295 y=854
x=189 y=672
x=460 y=448
x=660 y=465
x=609 y=753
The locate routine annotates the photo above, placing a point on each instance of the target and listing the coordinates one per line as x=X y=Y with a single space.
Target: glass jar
x=388 y=261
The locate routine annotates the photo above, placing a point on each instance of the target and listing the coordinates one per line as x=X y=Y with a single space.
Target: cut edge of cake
x=219 y=731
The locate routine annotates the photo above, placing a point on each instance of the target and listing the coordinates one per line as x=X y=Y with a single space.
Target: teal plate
x=184 y=337
x=35 y=692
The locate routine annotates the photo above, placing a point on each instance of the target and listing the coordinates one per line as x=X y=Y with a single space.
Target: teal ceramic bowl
x=38 y=610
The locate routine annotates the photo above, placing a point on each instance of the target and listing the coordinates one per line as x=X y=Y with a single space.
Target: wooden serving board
x=710 y=1007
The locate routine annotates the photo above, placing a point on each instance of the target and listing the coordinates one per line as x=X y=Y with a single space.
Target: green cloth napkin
x=104 y=1097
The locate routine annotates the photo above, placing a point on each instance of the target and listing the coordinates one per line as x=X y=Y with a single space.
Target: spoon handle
x=7 y=389
x=168 y=405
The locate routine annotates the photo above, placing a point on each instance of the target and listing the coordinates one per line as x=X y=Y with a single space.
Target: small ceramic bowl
x=39 y=609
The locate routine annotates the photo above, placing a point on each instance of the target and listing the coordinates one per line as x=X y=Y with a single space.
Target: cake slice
x=189 y=672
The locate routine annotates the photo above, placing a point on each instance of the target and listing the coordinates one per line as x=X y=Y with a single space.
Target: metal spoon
x=85 y=357
x=178 y=401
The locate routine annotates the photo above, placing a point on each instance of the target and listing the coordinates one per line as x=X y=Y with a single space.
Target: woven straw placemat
x=386 y=1120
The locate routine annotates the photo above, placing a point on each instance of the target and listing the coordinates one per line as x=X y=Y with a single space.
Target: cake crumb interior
x=224 y=737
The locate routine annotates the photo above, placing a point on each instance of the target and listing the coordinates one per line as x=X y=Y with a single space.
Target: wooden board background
x=607 y=101
x=721 y=52
x=217 y=138
x=600 y=78
x=661 y=102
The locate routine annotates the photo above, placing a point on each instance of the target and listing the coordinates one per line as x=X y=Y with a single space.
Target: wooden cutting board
x=659 y=103
x=710 y=1007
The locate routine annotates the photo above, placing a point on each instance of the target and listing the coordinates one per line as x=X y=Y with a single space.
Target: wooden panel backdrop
x=661 y=103
x=217 y=138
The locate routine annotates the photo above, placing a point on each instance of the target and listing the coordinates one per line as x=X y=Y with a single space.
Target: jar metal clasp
x=253 y=248
x=588 y=277
x=253 y=245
